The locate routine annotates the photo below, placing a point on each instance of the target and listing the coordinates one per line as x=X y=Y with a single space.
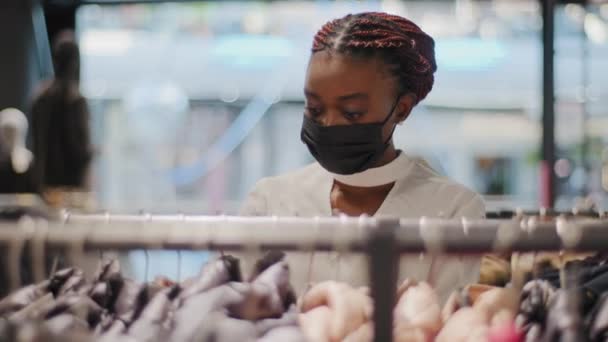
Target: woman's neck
x=355 y=201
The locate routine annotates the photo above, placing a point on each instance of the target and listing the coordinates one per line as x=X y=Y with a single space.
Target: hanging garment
x=217 y=306
x=151 y=324
x=417 y=315
x=213 y=274
x=29 y=294
x=331 y=311
x=264 y=298
x=533 y=308
x=485 y=313
x=564 y=320
x=598 y=321
x=419 y=191
x=591 y=273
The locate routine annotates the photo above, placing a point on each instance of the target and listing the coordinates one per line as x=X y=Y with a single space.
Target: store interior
x=189 y=104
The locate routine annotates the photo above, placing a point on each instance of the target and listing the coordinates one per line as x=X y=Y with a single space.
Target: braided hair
x=406 y=50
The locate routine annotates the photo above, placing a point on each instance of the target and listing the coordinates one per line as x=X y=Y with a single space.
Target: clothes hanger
x=146 y=219
x=316 y=232
x=76 y=252
x=339 y=246
x=431 y=233
x=108 y=220
x=15 y=252
x=66 y=218
x=179 y=253
x=38 y=250
x=225 y=220
x=571 y=328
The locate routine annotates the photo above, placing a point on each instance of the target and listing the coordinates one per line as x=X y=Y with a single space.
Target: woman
x=366 y=74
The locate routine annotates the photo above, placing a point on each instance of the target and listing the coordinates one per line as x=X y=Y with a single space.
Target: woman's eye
x=353 y=115
x=313 y=112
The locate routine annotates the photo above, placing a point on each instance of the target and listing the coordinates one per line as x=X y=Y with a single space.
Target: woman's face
x=343 y=90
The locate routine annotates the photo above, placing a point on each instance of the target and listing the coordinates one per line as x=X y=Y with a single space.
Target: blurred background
x=192 y=102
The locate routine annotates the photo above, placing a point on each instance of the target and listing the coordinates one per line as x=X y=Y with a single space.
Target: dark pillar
x=383 y=268
x=59 y=16
x=26 y=55
x=548 y=143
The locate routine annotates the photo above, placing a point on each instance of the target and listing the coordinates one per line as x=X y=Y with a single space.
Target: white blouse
x=419 y=192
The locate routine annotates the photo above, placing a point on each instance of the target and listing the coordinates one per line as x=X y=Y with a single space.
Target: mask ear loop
x=388 y=117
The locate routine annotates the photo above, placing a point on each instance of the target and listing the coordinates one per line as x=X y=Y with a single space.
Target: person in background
x=16 y=161
x=60 y=123
x=366 y=74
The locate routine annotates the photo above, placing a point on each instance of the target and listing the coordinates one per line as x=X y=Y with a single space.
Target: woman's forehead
x=334 y=74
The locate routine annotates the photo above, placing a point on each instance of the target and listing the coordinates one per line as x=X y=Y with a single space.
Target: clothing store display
x=535 y=298
x=480 y=313
x=213 y=306
x=419 y=191
x=331 y=311
x=506 y=331
x=61 y=136
x=548 y=312
x=213 y=274
x=417 y=315
x=222 y=303
x=495 y=270
x=598 y=320
x=16 y=161
x=498 y=301
x=591 y=273
x=463 y=325
x=564 y=319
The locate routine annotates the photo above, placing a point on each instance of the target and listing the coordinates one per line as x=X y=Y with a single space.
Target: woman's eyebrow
x=309 y=93
x=353 y=96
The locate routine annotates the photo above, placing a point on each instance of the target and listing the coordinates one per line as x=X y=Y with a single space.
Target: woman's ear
x=407 y=102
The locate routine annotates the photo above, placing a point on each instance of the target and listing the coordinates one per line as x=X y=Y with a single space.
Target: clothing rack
x=545 y=213
x=383 y=240
x=13 y=206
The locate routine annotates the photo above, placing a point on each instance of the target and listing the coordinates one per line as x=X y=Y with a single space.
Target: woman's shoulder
x=422 y=175
x=270 y=195
x=428 y=188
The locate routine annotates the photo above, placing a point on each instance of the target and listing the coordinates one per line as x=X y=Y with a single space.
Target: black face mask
x=346 y=149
